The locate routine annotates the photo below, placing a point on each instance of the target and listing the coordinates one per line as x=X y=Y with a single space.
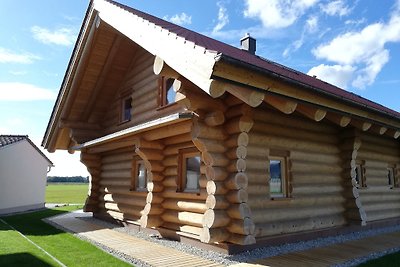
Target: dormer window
x=167 y=92
x=126 y=112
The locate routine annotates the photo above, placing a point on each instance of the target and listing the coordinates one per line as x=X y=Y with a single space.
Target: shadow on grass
x=32 y=224
x=21 y=259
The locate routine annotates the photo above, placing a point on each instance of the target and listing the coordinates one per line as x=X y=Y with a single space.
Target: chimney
x=248 y=43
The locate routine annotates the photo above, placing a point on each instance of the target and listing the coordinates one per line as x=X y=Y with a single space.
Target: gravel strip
x=259 y=253
x=247 y=256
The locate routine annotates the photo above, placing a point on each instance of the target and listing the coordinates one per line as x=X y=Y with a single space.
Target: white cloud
x=363 y=49
x=24 y=92
x=310 y=26
x=62 y=36
x=18 y=73
x=180 y=19
x=336 y=74
x=223 y=18
x=7 y=56
x=277 y=13
x=337 y=7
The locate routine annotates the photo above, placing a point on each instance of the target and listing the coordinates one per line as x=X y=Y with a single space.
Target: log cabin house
x=187 y=135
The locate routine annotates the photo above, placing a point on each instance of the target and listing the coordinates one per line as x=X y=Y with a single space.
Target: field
x=66 y=193
x=15 y=250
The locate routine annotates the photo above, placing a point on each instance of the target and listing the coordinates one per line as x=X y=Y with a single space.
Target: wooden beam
x=310 y=112
x=102 y=78
x=79 y=125
x=284 y=105
x=378 y=129
x=275 y=85
x=112 y=145
x=359 y=124
x=161 y=68
x=393 y=133
x=251 y=97
x=81 y=60
x=338 y=119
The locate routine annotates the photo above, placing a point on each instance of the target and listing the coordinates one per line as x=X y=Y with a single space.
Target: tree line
x=67 y=179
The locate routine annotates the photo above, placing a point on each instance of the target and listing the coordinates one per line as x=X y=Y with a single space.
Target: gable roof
x=264 y=65
x=6 y=140
x=197 y=58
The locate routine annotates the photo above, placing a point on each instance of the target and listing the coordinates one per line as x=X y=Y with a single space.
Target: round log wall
x=314 y=174
x=116 y=199
x=379 y=199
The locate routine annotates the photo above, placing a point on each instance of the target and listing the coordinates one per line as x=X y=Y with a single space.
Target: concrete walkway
x=158 y=255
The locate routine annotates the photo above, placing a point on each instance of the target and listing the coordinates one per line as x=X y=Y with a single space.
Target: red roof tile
x=264 y=65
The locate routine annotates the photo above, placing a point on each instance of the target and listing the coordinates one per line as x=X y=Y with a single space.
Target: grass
x=66 y=193
x=385 y=261
x=71 y=251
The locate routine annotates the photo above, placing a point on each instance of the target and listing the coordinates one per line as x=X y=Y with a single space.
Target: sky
x=352 y=44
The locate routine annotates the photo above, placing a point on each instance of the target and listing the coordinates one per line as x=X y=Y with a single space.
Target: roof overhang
x=137 y=129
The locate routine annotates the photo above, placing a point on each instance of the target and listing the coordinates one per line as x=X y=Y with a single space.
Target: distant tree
x=67 y=179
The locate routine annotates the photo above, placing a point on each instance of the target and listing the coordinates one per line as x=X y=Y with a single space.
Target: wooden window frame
x=394 y=179
x=123 y=101
x=283 y=157
x=360 y=171
x=183 y=154
x=162 y=92
x=135 y=175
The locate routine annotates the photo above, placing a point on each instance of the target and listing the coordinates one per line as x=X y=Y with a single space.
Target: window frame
x=283 y=157
x=163 y=92
x=135 y=175
x=360 y=171
x=394 y=179
x=124 y=100
x=184 y=154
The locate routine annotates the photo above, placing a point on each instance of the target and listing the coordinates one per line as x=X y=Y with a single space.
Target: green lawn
x=385 y=261
x=71 y=251
x=66 y=193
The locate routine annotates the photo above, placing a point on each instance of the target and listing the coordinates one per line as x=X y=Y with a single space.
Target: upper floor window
x=126 y=109
x=360 y=175
x=167 y=92
x=278 y=182
x=139 y=181
x=189 y=170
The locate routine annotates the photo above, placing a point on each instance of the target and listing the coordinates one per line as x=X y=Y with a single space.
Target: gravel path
x=254 y=254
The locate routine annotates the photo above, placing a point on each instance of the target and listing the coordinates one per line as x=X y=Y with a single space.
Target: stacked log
x=314 y=189
x=208 y=136
x=116 y=197
x=379 y=199
x=152 y=155
x=238 y=125
x=355 y=212
x=181 y=211
x=93 y=165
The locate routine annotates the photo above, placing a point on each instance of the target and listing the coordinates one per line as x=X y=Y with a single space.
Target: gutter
x=236 y=62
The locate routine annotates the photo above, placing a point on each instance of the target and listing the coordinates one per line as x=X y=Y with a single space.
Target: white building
x=23 y=172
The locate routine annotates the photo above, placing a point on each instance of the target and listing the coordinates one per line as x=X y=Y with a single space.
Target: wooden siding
x=314 y=174
x=379 y=200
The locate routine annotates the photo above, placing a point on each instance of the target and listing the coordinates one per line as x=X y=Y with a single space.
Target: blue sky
x=352 y=44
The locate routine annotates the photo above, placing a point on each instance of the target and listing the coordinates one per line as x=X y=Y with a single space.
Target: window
x=392 y=177
x=189 y=170
x=126 y=109
x=278 y=182
x=360 y=175
x=139 y=182
x=167 y=92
